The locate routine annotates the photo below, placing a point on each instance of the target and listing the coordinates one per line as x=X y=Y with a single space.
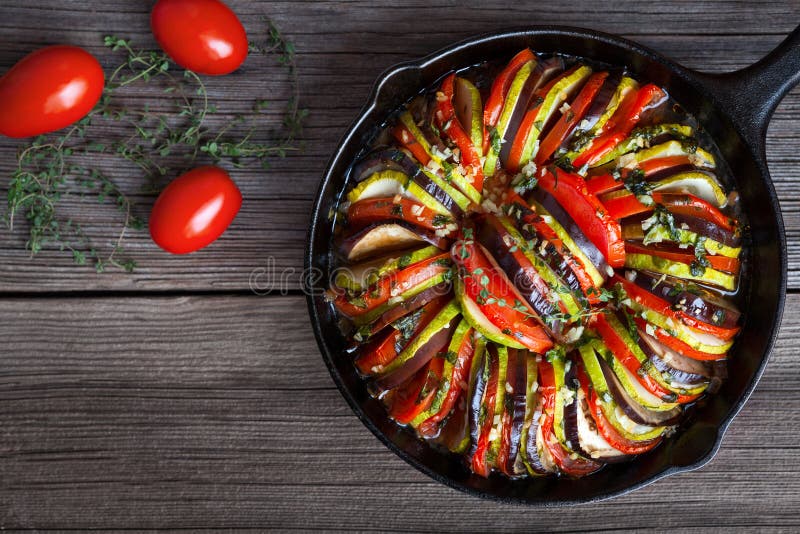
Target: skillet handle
x=750 y=95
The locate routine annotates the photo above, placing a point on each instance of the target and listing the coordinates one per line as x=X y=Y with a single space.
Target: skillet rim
x=702 y=89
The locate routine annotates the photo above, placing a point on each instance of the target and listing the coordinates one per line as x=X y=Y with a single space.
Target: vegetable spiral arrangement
x=536 y=270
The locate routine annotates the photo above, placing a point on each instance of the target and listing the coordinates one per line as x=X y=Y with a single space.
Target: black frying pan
x=734 y=108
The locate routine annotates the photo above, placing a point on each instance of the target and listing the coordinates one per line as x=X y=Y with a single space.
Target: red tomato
x=204 y=36
x=49 y=89
x=194 y=210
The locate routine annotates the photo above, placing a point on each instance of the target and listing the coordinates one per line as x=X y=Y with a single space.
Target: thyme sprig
x=160 y=142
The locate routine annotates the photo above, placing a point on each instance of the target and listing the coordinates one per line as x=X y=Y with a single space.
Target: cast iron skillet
x=734 y=108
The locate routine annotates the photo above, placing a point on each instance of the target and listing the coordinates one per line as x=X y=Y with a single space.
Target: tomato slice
x=416 y=395
x=449 y=124
x=392 y=285
x=620 y=125
x=457 y=380
x=372 y=210
x=497 y=298
x=378 y=353
x=580 y=105
x=407 y=139
x=604 y=427
x=625 y=355
x=587 y=211
x=720 y=263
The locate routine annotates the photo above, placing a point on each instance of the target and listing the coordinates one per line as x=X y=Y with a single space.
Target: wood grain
x=136 y=402
x=342 y=48
x=190 y=412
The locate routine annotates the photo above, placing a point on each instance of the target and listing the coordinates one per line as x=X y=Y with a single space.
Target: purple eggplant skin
x=456 y=427
x=476 y=400
x=596 y=110
x=349 y=242
x=720 y=372
x=422 y=109
x=708 y=229
x=493 y=243
x=666 y=173
x=396 y=159
x=541 y=73
x=521 y=107
x=570 y=414
x=701 y=304
x=404 y=308
x=565 y=219
x=572 y=433
x=423 y=355
x=517 y=358
x=633 y=409
x=383 y=159
x=570 y=418
x=551 y=256
x=531 y=447
x=678 y=367
x=694 y=224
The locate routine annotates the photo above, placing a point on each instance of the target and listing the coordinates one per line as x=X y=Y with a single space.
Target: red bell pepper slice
x=577 y=466
x=497 y=298
x=605 y=183
x=622 y=204
x=587 y=211
x=416 y=395
x=448 y=122
x=548 y=234
x=668 y=252
x=505 y=442
x=393 y=284
x=677 y=345
x=372 y=210
x=605 y=428
x=693 y=206
x=458 y=385
x=624 y=354
x=500 y=86
x=478 y=461
x=407 y=139
x=620 y=125
x=518 y=143
x=657 y=304
x=578 y=108
x=378 y=353
x=506 y=419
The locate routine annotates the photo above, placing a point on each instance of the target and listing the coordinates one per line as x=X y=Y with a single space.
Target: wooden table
x=175 y=397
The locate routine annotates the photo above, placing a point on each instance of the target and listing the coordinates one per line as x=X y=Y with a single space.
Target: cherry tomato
x=204 y=36
x=194 y=210
x=49 y=89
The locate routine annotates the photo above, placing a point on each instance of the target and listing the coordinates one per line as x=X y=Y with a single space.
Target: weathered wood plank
x=211 y=412
x=347 y=45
